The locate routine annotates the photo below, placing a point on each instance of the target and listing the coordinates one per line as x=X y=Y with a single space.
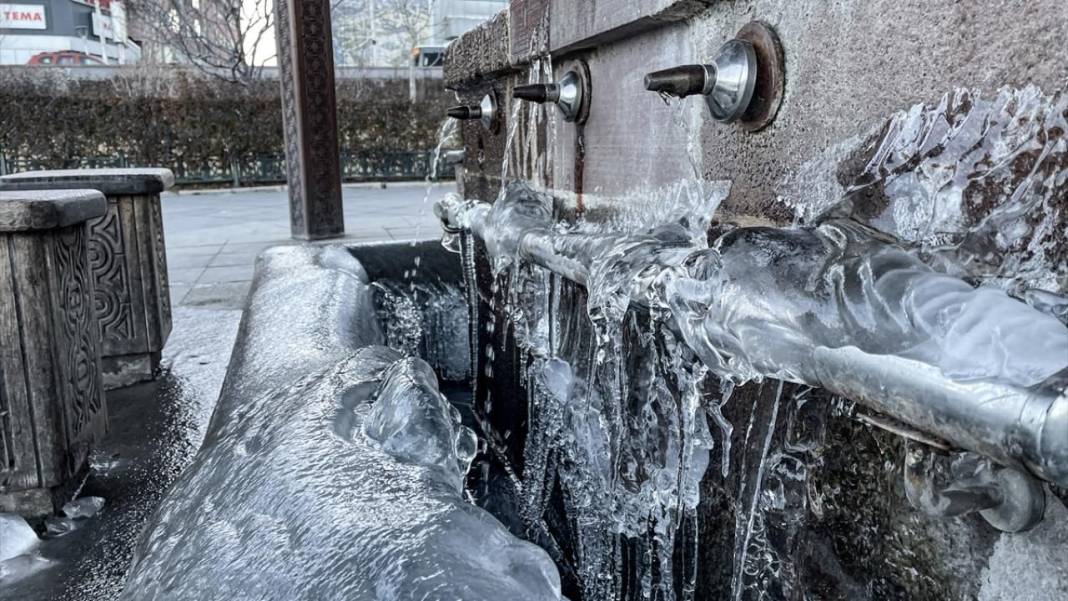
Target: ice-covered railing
x=836 y=306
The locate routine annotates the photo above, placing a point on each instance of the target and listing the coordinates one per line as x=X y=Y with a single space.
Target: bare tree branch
x=396 y=28
x=224 y=38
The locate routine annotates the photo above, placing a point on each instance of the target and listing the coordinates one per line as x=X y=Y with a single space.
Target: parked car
x=64 y=57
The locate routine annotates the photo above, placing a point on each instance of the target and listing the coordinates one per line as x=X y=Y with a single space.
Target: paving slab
x=213 y=238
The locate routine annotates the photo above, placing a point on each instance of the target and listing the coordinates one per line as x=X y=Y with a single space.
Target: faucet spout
x=485 y=111
x=571 y=94
x=537 y=92
x=464 y=112
x=682 y=81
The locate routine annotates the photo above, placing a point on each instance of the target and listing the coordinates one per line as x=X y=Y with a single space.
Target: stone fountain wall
x=844 y=529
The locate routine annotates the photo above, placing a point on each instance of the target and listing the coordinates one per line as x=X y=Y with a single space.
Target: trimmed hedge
x=155 y=117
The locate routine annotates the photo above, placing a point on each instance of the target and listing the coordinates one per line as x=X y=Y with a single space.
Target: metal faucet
x=485 y=111
x=727 y=83
x=744 y=82
x=571 y=94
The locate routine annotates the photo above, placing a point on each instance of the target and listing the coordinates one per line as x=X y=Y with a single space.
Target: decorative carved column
x=129 y=262
x=51 y=395
x=309 y=112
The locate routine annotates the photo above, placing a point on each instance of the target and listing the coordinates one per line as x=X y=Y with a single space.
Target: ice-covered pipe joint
x=835 y=306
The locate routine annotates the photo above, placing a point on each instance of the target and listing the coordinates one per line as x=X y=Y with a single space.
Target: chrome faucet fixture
x=743 y=83
x=485 y=111
x=727 y=83
x=571 y=94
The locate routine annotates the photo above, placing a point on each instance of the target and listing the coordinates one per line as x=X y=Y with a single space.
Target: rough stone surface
x=51 y=395
x=128 y=256
x=46 y=210
x=575 y=26
x=111 y=182
x=849 y=66
x=481 y=52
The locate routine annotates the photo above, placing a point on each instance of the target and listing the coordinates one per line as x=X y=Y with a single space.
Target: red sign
x=22 y=16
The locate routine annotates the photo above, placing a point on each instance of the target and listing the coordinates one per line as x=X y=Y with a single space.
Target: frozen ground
x=156 y=428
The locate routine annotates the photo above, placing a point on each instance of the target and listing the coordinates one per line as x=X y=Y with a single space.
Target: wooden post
x=309 y=112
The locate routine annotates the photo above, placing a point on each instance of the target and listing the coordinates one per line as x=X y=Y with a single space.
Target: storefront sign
x=23 y=16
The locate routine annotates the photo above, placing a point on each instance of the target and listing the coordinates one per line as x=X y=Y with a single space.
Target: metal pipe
x=1022 y=427
x=1014 y=426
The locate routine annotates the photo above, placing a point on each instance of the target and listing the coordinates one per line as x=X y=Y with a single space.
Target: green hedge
x=155 y=117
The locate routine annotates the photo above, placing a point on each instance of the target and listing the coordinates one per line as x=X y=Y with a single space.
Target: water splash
x=631 y=439
x=628 y=461
x=625 y=434
x=448 y=138
x=427 y=319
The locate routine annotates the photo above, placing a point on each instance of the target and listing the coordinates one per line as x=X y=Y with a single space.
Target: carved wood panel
x=162 y=283
x=287 y=79
x=77 y=335
x=113 y=289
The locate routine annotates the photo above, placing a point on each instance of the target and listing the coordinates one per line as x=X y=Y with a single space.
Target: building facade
x=65 y=32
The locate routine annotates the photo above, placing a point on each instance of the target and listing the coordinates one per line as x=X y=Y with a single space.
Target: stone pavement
x=213 y=237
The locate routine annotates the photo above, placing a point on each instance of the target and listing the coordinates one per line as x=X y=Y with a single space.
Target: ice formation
x=739 y=306
x=83 y=508
x=333 y=467
x=978 y=181
x=344 y=485
x=17 y=543
x=16 y=536
x=628 y=462
x=623 y=429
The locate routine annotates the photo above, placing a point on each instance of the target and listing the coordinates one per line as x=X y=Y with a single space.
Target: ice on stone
x=56 y=527
x=758 y=302
x=83 y=508
x=16 y=536
x=414 y=423
x=17 y=568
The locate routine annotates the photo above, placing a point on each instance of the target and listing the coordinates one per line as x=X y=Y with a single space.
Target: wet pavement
x=156 y=428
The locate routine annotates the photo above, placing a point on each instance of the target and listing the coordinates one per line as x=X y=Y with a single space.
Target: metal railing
x=251 y=170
